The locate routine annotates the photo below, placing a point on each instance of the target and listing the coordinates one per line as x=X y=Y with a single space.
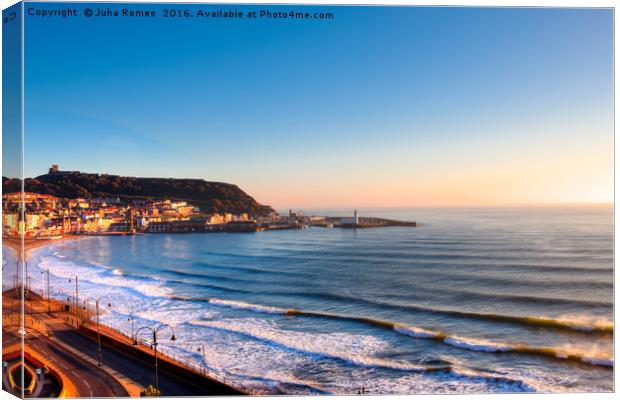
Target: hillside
x=211 y=197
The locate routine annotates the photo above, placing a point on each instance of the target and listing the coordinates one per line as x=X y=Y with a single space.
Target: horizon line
x=406 y=207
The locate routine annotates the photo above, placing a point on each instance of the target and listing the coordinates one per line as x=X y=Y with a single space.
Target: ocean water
x=471 y=301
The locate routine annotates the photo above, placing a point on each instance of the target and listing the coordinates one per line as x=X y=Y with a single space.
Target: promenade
x=55 y=340
x=80 y=379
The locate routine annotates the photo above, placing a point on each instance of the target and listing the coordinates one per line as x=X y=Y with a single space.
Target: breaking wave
x=358 y=352
x=247 y=306
x=193 y=297
x=471 y=344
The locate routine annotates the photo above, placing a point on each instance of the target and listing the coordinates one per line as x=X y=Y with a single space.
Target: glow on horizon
x=497 y=189
x=517 y=169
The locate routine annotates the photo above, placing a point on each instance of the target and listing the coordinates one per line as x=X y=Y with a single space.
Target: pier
x=371 y=222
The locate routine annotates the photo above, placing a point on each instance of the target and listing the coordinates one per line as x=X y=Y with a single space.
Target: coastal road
x=138 y=370
x=88 y=381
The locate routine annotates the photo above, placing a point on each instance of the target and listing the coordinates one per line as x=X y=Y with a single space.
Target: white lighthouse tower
x=356 y=219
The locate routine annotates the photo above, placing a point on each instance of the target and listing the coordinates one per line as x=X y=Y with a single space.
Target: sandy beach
x=31 y=244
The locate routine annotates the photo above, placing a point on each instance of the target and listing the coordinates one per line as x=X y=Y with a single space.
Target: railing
x=82 y=317
x=189 y=364
x=29 y=321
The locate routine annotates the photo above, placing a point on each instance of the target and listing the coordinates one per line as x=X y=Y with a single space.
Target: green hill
x=211 y=197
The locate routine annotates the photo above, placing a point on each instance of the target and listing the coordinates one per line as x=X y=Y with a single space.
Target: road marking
x=50 y=355
x=89 y=388
x=53 y=344
x=77 y=377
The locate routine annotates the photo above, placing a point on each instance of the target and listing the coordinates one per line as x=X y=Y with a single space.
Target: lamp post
x=85 y=311
x=28 y=286
x=131 y=317
x=201 y=349
x=28 y=297
x=77 y=299
x=25 y=273
x=61 y=294
x=49 y=293
x=154 y=344
x=99 y=362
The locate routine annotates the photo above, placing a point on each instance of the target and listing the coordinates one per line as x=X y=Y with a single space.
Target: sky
x=11 y=93
x=378 y=107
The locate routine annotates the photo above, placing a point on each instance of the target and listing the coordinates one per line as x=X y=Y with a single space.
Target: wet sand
x=31 y=244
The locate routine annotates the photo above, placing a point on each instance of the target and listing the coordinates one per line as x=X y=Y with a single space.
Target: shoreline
x=51 y=242
x=112 y=337
x=32 y=244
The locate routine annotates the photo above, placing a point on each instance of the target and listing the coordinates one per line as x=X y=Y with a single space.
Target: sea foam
x=247 y=306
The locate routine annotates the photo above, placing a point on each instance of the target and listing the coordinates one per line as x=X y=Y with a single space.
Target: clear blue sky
x=381 y=106
x=11 y=93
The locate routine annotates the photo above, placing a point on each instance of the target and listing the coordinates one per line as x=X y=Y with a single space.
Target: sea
x=473 y=300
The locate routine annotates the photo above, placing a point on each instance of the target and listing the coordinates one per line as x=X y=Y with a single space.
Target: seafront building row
x=48 y=216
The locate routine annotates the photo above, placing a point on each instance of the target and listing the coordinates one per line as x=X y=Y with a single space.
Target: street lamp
x=26 y=272
x=61 y=295
x=77 y=298
x=99 y=362
x=203 y=364
x=154 y=344
x=132 y=317
x=49 y=294
x=28 y=296
x=85 y=311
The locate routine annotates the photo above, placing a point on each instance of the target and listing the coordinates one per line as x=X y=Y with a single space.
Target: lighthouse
x=356 y=220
